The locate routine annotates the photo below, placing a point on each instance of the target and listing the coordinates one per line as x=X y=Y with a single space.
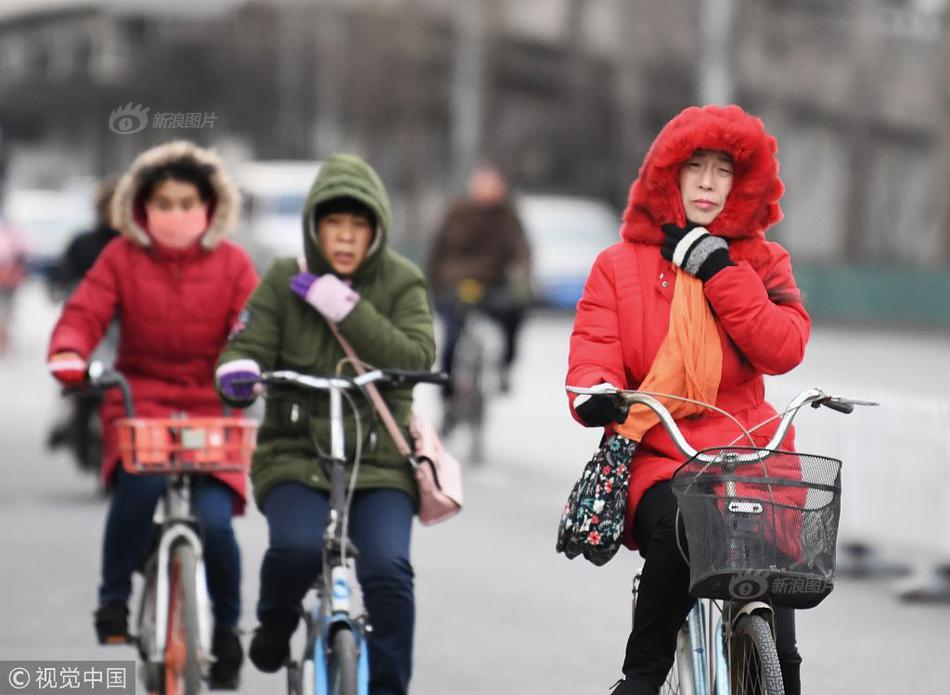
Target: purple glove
x=328 y=294
x=237 y=380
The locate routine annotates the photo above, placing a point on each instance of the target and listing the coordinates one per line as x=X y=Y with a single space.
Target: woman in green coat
x=379 y=302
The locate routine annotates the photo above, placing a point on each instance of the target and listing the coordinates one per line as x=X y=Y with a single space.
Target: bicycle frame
x=702 y=648
x=178 y=527
x=338 y=584
x=177 y=523
x=709 y=656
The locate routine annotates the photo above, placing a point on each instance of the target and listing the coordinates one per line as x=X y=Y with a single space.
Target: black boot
x=630 y=687
x=112 y=623
x=228 y=657
x=268 y=652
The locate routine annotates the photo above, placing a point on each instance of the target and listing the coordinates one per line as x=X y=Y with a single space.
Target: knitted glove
x=237 y=381
x=600 y=410
x=68 y=368
x=328 y=294
x=695 y=250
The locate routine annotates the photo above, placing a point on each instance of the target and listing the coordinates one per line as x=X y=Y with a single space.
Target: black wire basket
x=760 y=524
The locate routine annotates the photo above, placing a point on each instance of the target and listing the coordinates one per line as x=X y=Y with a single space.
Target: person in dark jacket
x=379 y=301
x=692 y=241
x=75 y=425
x=177 y=286
x=84 y=248
x=481 y=256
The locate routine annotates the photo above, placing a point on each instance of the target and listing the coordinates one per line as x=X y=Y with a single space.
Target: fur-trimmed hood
x=128 y=211
x=753 y=203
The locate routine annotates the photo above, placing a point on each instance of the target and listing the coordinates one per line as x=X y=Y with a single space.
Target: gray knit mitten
x=695 y=250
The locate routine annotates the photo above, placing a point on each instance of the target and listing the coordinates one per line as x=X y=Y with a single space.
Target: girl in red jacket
x=697 y=215
x=177 y=287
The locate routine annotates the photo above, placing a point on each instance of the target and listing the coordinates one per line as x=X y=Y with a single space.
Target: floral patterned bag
x=593 y=519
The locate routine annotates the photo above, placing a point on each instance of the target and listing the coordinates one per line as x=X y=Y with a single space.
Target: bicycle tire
x=342 y=663
x=182 y=673
x=152 y=673
x=753 y=661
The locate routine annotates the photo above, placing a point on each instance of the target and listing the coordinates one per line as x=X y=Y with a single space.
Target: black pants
x=664 y=601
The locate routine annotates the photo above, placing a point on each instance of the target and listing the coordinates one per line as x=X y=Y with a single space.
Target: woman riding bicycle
x=695 y=302
x=176 y=286
x=380 y=304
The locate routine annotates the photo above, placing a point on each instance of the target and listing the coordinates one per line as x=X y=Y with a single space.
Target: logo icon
x=128 y=119
x=748 y=585
x=19 y=678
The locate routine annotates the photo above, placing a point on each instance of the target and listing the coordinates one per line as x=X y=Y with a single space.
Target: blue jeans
x=130 y=534
x=380 y=527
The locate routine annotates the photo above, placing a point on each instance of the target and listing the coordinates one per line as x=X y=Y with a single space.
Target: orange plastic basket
x=186 y=445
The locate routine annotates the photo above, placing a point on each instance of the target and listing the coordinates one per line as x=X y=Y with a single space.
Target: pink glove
x=328 y=294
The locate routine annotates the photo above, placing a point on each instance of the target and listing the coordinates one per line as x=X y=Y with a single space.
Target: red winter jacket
x=175 y=309
x=624 y=313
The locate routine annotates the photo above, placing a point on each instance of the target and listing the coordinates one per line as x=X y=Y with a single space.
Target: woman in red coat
x=177 y=287
x=697 y=214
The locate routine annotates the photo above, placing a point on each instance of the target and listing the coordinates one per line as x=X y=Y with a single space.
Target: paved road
x=498 y=611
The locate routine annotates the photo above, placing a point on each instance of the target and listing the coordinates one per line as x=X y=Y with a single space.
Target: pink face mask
x=177 y=229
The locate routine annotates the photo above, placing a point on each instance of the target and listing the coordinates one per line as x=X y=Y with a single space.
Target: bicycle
x=173 y=630
x=761 y=527
x=335 y=659
x=476 y=360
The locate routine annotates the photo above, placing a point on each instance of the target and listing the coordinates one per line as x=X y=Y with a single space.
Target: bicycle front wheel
x=182 y=644
x=753 y=661
x=342 y=663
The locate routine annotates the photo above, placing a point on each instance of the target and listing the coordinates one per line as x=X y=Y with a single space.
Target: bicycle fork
x=174 y=534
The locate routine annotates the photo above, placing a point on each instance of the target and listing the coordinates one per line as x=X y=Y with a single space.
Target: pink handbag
x=438 y=473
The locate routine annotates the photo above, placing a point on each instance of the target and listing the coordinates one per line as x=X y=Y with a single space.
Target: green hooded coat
x=390 y=326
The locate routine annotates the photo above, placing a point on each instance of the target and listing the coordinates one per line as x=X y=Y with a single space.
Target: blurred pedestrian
x=75 y=425
x=695 y=302
x=14 y=269
x=378 y=300
x=84 y=248
x=480 y=256
x=177 y=287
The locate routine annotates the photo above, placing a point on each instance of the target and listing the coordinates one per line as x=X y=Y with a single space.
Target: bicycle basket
x=760 y=524
x=186 y=445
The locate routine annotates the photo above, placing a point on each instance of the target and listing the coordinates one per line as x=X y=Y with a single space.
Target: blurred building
x=566 y=95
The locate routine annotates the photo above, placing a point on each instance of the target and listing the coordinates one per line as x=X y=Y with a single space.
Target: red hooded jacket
x=623 y=315
x=175 y=307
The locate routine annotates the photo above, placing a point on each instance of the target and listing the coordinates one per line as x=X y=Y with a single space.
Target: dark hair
x=104 y=192
x=346 y=204
x=186 y=169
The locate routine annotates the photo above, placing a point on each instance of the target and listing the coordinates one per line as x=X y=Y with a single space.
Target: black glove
x=600 y=410
x=695 y=250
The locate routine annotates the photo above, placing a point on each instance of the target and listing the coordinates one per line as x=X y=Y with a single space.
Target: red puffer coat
x=175 y=307
x=624 y=313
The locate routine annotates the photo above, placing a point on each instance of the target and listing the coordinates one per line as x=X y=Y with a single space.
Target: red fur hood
x=752 y=205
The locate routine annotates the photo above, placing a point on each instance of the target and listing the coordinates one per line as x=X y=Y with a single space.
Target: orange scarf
x=689 y=362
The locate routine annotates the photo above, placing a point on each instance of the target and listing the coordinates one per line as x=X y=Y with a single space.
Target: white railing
x=896 y=473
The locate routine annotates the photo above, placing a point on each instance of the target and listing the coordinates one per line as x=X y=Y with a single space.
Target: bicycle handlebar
x=321 y=383
x=101 y=377
x=814 y=396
